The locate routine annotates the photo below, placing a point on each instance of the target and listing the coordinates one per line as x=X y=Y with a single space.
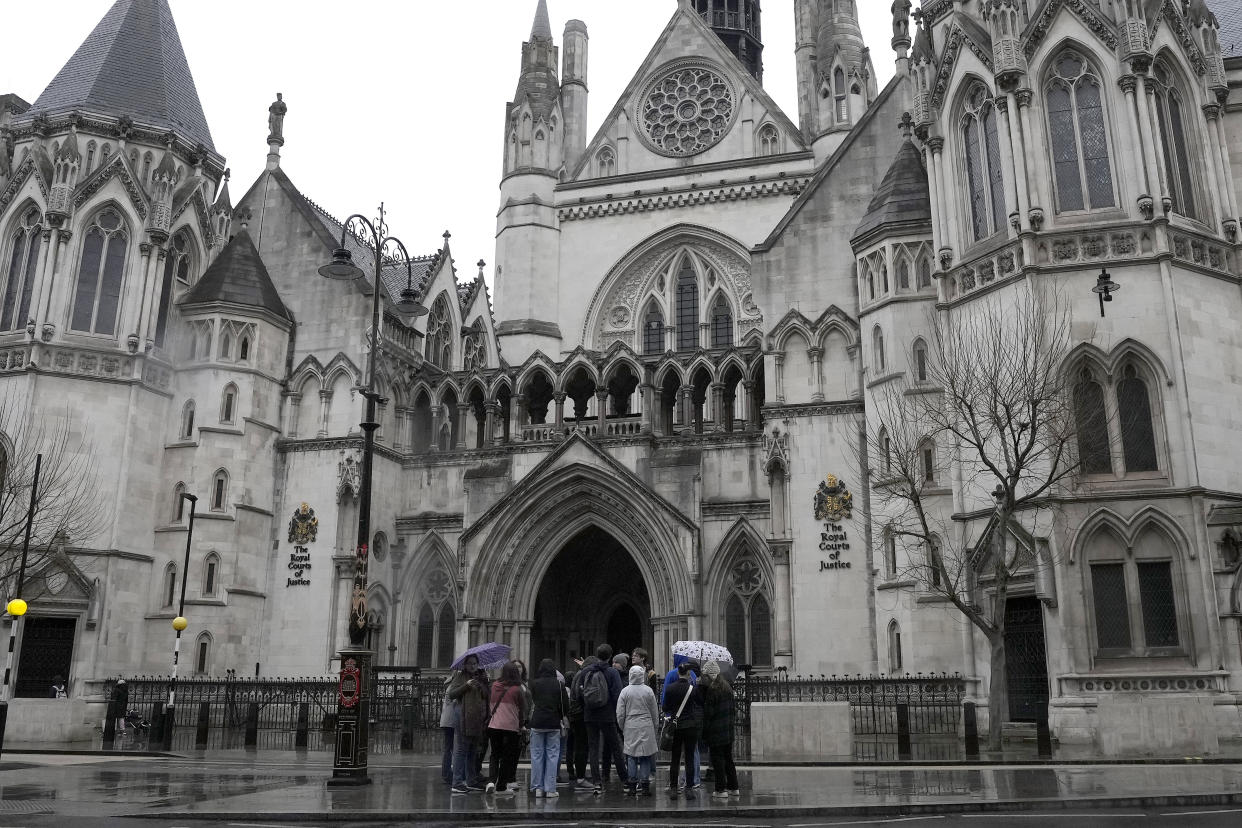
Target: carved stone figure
x=276 y=119
x=901 y=19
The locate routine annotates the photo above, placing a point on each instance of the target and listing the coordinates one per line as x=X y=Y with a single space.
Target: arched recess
x=741 y=588
x=513 y=545
x=427 y=628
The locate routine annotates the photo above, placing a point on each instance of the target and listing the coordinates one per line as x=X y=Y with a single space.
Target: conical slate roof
x=132 y=64
x=238 y=277
x=902 y=198
x=542 y=27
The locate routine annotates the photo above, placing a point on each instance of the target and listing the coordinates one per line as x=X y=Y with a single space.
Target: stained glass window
x=687 y=307
x=984 y=177
x=100 y=275
x=19 y=285
x=1081 y=166
x=1177 y=169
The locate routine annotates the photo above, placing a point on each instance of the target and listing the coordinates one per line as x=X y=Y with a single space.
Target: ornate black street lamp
x=179 y=624
x=349 y=763
x=1105 y=287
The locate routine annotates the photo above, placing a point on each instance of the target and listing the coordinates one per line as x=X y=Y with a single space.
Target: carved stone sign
x=299 y=563
x=833 y=504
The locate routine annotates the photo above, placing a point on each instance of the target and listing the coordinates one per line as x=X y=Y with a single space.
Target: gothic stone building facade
x=694 y=309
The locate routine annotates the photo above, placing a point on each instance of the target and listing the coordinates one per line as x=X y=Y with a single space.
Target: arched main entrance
x=592 y=593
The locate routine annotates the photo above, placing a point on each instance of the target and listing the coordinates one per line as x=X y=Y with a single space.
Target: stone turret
x=574 y=91
x=806 y=31
x=163 y=185
x=66 y=163
x=1004 y=18
x=527 y=227
x=846 y=77
x=222 y=214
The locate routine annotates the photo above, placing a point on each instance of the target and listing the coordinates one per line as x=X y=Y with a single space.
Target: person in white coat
x=638 y=716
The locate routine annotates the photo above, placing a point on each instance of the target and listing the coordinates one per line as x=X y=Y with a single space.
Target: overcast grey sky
x=394 y=100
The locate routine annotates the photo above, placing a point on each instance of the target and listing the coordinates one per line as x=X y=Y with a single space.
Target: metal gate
x=47 y=652
x=1026 y=666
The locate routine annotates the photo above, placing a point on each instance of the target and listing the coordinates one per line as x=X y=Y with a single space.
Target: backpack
x=595 y=690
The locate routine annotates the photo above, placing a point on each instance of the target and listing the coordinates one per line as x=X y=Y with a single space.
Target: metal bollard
x=407 y=726
x=301 y=739
x=1043 y=736
x=156 y=736
x=972 y=730
x=204 y=725
x=252 y=725
x=903 y=731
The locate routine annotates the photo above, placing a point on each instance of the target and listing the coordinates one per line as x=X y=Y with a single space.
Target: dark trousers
x=446 y=757
x=603 y=736
x=576 y=752
x=505 y=745
x=684 y=742
x=723 y=769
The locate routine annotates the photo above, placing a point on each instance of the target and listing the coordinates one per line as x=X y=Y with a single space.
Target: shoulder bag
x=670 y=725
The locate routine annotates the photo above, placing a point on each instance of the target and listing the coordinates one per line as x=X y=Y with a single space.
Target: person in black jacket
x=601 y=722
x=551 y=703
x=718 y=729
x=689 y=724
x=119 y=705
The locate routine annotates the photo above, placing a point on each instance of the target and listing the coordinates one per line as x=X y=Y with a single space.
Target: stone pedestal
x=801 y=731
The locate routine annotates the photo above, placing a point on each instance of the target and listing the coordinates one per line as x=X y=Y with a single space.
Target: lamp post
x=1105 y=287
x=179 y=624
x=17 y=607
x=349 y=762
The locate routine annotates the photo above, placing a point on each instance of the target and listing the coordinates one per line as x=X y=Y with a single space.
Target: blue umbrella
x=491 y=655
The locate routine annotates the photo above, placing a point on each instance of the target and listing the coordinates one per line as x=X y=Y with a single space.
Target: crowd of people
x=604 y=715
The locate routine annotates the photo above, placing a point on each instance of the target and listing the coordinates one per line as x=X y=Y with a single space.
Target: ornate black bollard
x=972 y=730
x=903 y=731
x=301 y=738
x=204 y=725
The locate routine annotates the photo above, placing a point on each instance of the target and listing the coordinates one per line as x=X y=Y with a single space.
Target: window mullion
x=1138 y=642
x=1081 y=148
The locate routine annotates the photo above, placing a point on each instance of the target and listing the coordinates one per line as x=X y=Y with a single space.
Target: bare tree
x=69 y=506
x=994 y=412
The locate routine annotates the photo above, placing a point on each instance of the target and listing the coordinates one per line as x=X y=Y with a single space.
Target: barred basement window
x=1134 y=589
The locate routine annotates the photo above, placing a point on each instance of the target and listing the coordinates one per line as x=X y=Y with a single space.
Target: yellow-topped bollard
x=16 y=607
x=180 y=623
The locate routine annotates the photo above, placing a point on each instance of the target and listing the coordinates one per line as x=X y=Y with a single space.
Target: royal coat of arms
x=833 y=502
x=303 y=526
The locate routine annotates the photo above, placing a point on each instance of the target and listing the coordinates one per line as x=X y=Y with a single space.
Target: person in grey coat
x=638 y=717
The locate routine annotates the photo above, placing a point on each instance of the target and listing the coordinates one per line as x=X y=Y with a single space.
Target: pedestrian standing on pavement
x=689 y=726
x=654 y=681
x=549 y=706
x=471 y=695
x=694 y=768
x=120 y=704
x=504 y=729
x=450 y=716
x=718 y=729
x=576 y=760
x=601 y=687
x=637 y=716
x=58 y=690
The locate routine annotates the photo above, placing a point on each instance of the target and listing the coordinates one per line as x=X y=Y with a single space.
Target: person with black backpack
x=576 y=748
x=601 y=687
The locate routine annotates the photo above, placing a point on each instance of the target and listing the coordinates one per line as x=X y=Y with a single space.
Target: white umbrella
x=702 y=651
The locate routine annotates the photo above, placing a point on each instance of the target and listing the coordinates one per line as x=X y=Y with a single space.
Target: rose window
x=688 y=111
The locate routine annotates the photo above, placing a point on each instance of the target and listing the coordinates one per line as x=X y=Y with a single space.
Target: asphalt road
x=1085 y=818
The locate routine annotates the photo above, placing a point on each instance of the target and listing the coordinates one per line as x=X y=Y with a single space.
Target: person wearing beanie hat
x=683 y=702
x=718 y=729
x=638 y=718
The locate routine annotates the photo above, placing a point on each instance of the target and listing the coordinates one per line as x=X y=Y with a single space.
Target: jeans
x=464 y=768
x=505 y=746
x=603 y=735
x=723 y=768
x=446 y=757
x=640 y=768
x=545 y=757
x=685 y=743
x=561 y=740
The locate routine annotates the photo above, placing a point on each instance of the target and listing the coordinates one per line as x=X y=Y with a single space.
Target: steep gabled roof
x=238 y=277
x=903 y=198
x=132 y=64
x=1229 y=16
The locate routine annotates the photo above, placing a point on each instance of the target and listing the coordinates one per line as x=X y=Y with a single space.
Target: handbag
x=670 y=725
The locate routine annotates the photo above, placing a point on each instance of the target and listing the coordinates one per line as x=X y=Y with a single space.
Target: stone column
x=1013 y=123
x=1151 y=142
x=779 y=359
x=494 y=435
x=517 y=417
x=687 y=410
x=463 y=412
x=718 y=420
x=143 y=321
x=1009 y=174
x=601 y=410
x=1226 y=167
x=1218 y=186
x=670 y=338
x=657 y=412
x=381 y=433
x=44 y=285
x=705 y=335
x=748 y=404
x=933 y=186
x=647 y=395
x=558 y=397
x=1036 y=156
x=293 y=407
x=325 y=406
x=783 y=598
x=817 y=371
x=948 y=203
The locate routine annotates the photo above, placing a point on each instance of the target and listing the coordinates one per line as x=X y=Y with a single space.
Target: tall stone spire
x=846 y=76
x=132 y=65
x=542 y=27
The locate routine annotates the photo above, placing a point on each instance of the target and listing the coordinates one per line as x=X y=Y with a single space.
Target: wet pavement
x=288 y=786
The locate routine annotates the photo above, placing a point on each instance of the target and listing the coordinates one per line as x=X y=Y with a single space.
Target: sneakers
x=551 y=795
x=720 y=794
x=598 y=790
x=491 y=788
x=735 y=792
x=539 y=794
x=631 y=789
x=584 y=785
x=460 y=789
x=475 y=786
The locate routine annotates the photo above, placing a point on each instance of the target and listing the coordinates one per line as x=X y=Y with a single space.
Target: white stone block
x=1137 y=725
x=801 y=731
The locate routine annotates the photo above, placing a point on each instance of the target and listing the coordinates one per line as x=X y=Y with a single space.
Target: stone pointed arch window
x=436 y=623
x=653 y=329
x=769 y=142
x=687 y=307
x=981 y=152
x=17 y=289
x=1078 y=135
x=605 y=163
x=877 y=350
x=438 y=349
x=179 y=503
x=169 y=593
x=91 y=149
x=841 y=102
x=202 y=654
x=228 y=405
x=722 y=323
x=211 y=575
x=1137 y=595
x=176 y=271
x=895 y=664
x=474 y=357
x=1138 y=439
x=919 y=360
x=925 y=271
x=187 y=420
x=219 y=490
x=1091 y=420
x=101 y=274
x=748 y=613
x=1174 y=126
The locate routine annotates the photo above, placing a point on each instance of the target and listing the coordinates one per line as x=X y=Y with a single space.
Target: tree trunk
x=998 y=691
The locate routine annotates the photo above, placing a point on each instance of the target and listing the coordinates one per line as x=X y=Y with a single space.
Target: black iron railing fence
x=405 y=709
